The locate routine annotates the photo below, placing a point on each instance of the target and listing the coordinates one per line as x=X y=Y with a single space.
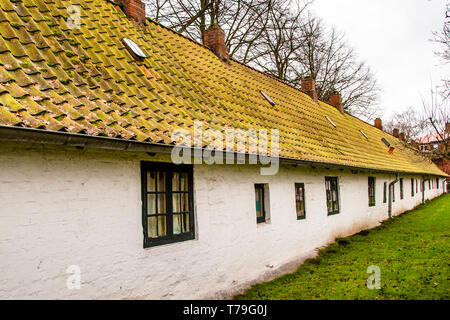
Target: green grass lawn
x=412 y=252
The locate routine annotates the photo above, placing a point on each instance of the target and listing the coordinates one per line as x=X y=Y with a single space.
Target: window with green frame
x=167 y=203
x=332 y=194
x=300 y=200
x=412 y=187
x=385 y=192
x=260 y=203
x=371 y=187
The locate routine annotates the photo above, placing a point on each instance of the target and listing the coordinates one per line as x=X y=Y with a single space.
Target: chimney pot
x=214 y=38
x=336 y=100
x=134 y=10
x=378 y=124
x=309 y=87
x=395 y=133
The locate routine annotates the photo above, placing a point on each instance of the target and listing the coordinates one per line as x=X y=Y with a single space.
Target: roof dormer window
x=332 y=123
x=265 y=95
x=134 y=49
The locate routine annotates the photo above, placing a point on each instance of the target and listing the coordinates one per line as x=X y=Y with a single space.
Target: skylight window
x=265 y=95
x=330 y=121
x=385 y=142
x=365 y=136
x=134 y=49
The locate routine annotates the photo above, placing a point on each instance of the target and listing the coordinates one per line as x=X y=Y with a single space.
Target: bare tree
x=443 y=38
x=300 y=46
x=282 y=39
x=437 y=111
x=411 y=122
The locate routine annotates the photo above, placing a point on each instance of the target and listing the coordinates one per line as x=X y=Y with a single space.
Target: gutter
x=391 y=190
x=24 y=134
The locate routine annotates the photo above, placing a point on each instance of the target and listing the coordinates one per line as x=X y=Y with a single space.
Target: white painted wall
x=62 y=206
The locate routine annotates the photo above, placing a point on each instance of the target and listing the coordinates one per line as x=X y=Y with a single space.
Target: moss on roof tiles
x=83 y=80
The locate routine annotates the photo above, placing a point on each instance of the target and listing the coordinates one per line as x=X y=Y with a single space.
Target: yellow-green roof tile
x=84 y=81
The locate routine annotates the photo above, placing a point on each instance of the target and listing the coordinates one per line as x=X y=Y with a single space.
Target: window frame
x=371 y=187
x=385 y=192
x=302 y=186
x=261 y=219
x=330 y=179
x=412 y=187
x=169 y=169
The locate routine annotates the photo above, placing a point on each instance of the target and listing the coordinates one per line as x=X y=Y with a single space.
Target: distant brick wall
x=443 y=164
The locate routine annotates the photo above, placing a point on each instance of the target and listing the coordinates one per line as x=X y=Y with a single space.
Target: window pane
x=186 y=222
x=184 y=178
x=151 y=204
x=258 y=194
x=151 y=181
x=151 y=227
x=162 y=229
x=176 y=223
x=162 y=203
x=161 y=181
x=176 y=199
x=184 y=202
x=175 y=181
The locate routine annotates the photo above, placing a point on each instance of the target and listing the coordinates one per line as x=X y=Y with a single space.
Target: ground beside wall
x=63 y=207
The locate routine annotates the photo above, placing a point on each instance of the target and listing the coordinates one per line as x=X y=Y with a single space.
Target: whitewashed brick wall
x=62 y=206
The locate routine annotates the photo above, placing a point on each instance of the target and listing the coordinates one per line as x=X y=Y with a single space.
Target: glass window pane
x=184 y=178
x=151 y=204
x=186 y=222
x=176 y=199
x=151 y=227
x=161 y=181
x=184 y=202
x=176 y=223
x=175 y=181
x=151 y=181
x=258 y=195
x=162 y=203
x=162 y=229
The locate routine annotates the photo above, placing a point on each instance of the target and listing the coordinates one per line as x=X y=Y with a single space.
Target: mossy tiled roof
x=84 y=81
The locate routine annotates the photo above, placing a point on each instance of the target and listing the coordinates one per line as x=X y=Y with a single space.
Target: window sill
x=333 y=213
x=161 y=242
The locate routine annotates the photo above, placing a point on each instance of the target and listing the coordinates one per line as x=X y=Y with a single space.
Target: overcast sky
x=392 y=37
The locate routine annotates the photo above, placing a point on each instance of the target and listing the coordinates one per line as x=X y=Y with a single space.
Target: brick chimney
x=336 y=100
x=395 y=133
x=447 y=127
x=402 y=136
x=309 y=87
x=214 y=38
x=377 y=123
x=133 y=9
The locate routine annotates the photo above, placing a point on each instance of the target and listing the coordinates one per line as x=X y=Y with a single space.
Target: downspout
x=391 y=189
x=423 y=188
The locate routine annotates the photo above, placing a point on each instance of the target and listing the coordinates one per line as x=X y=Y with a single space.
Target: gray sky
x=392 y=37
